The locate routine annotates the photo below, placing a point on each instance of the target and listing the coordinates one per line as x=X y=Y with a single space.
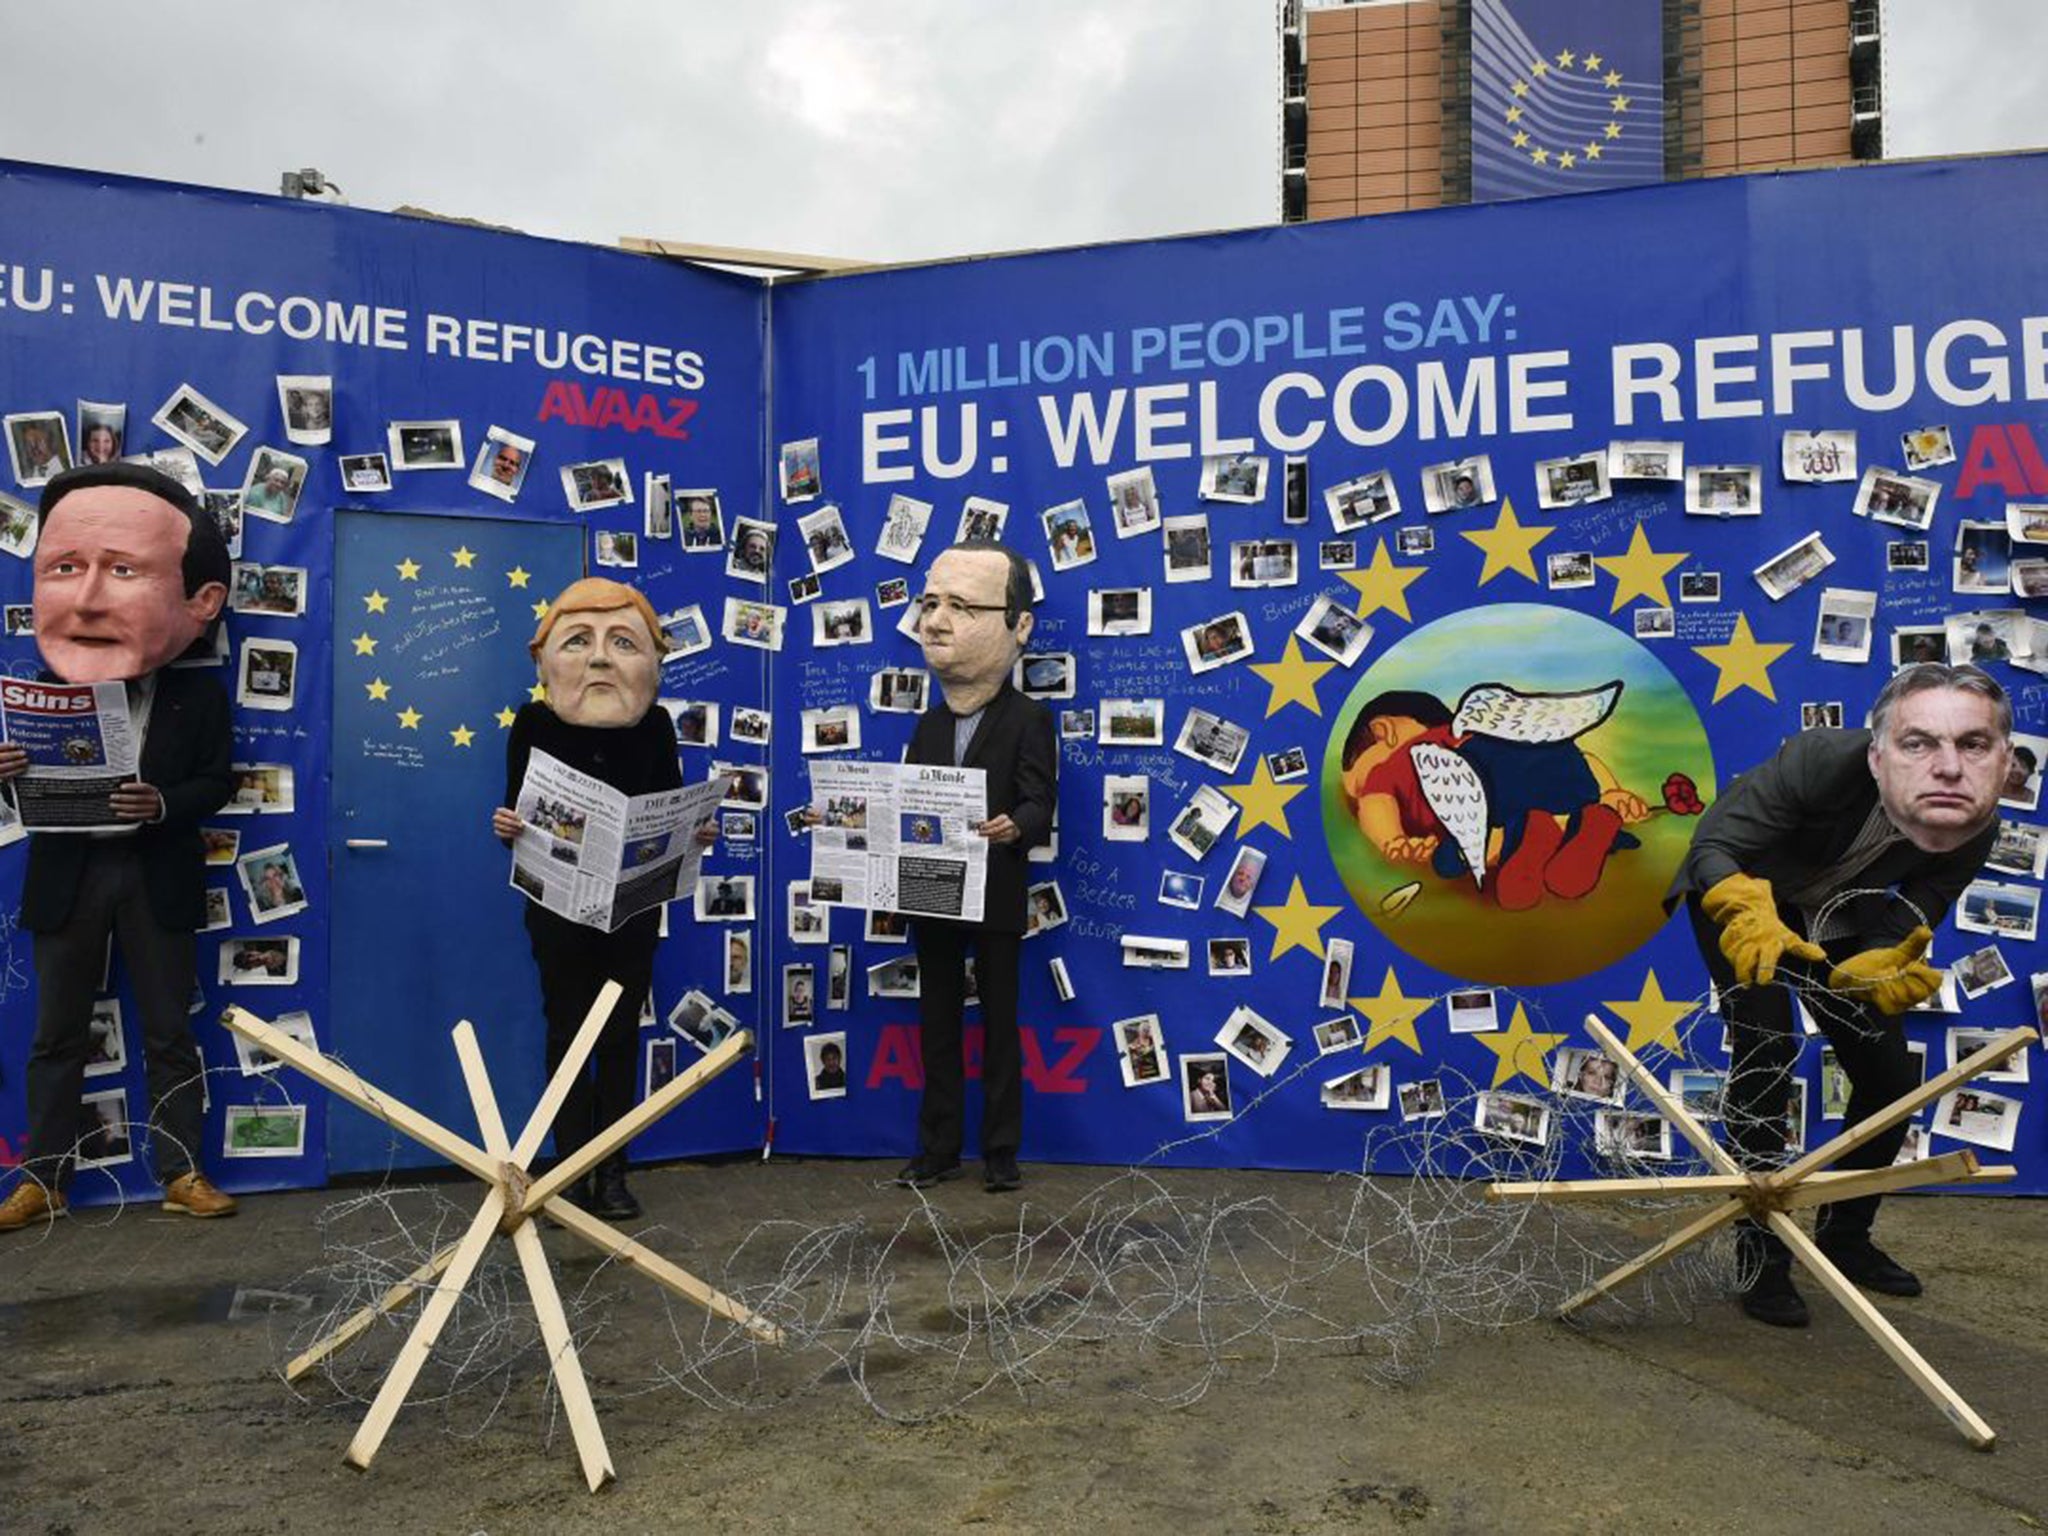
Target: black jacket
x=1018 y=747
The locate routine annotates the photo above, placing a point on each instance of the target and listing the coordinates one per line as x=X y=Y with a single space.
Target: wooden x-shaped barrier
x=1770 y=1198
x=512 y=1198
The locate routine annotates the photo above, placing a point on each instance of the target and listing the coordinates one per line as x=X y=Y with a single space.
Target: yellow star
x=1293 y=679
x=1614 y=130
x=409 y=719
x=465 y=557
x=408 y=570
x=1611 y=79
x=1298 y=924
x=517 y=576
x=1540 y=155
x=1264 y=802
x=1566 y=58
x=1744 y=661
x=1540 y=68
x=1652 y=1018
x=1619 y=103
x=1384 y=584
x=376 y=602
x=1520 y=88
x=377 y=689
x=1515 y=113
x=505 y=718
x=1507 y=544
x=1520 y=1051
x=1521 y=138
x=366 y=644
x=540 y=609
x=1593 y=61
x=1641 y=572
x=1593 y=149
x=462 y=735
x=1393 y=1014
x=1567 y=160
x=537 y=692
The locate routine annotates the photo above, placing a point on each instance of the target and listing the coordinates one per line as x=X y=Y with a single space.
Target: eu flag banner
x=1567 y=96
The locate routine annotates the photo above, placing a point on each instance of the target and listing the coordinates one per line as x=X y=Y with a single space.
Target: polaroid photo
x=1126 y=807
x=799 y=995
x=18 y=527
x=264 y=1130
x=752 y=551
x=825 y=540
x=1230 y=957
x=1619 y=1134
x=758 y=625
x=1342 y=554
x=225 y=508
x=1134 y=504
x=1131 y=723
x=260 y=789
x=1336 y=974
x=1335 y=630
x=1964 y=1043
x=221 y=845
x=20 y=621
x=1645 y=461
x=1414 y=541
x=2021 y=849
x=1212 y=740
x=1338 y=1034
x=1069 y=534
x=899 y=690
x=1044 y=908
x=196 y=422
x=272 y=486
x=1569 y=569
x=2026 y=522
x=1120 y=611
x=1699 y=586
x=1294 y=492
x=1513 y=1117
x=894 y=978
x=616 y=548
x=798 y=472
x=596 y=484
x=271 y=883
x=1235 y=894
x=825 y=1064
x=700 y=1021
x=748 y=725
x=1140 y=1055
x=1906 y=555
x=1816 y=715
x=1205 y=1086
x=1187 y=549
x=1178 y=888
x=1062 y=983
x=1264 y=563
x=660 y=1058
x=102 y=431
x=1254 y=1040
x=1473 y=1011
x=268 y=675
x=807 y=921
x=845 y=621
x=1926 y=447
x=179 y=463
x=1423 y=1099
x=1077 y=725
x=1361 y=502
x=2030 y=579
x=1843 y=628
x=1724 y=490
x=1815 y=457
x=254 y=1061
x=1983 y=636
x=746 y=786
x=1790 y=569
x=307 y=402
x=1212 y=643
x=1458 y=484
x=501 y=464
x=1983 y=1119
x=1889 y=497
x=805 y=588
x=259 y=962
x=1367 y=1087
x=983 y=519
x=1141 y=952
x=657 y=507
x=1581 y=1073
x=684 y=633
x=107 y=1048
x=1201 y=822
x=836 y=729
x=724 y=899
x=2022 y=789
x=1999 y=909
x=892 y=592
x=1914 y=644
x=1700 y=1090
x=739 y=961
x=1983 y=558
x=903 y=529
x=424 y=444
x=1239 y=477
x=695 y=721
x=1571 y=480
x=2037 y=985
x=1045 y=674
x=838 y=977
x=105 y=1137
x=886 y=928
x=218 y=913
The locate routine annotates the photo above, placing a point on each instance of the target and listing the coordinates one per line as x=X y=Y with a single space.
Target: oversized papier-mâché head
x=599 y=650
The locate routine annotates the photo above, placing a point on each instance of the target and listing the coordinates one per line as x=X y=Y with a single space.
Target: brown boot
x=30 y=1205
x=194 y=1195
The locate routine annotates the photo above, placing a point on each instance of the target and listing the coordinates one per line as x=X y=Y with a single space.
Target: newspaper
x=596 y=856
x=81 y=746
x=899 y=837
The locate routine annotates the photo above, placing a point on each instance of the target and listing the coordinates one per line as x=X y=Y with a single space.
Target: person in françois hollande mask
x=598 y=650
x=130 y=573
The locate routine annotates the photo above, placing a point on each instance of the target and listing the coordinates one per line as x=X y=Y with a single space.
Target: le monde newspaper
x=899 y=837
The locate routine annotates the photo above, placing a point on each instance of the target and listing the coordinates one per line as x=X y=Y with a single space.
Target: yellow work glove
x=1752 y=936
x=1890 y=980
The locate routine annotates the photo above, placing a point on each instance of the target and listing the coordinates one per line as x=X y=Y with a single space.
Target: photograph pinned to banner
x=271 y=488
x=758 y=625
x=2021 y=849
x=1638 y=460
x=739 y=960
x=1120 y=611
x=1202 y=821
x=219 y=914
x=886 y=927
x=1569 y=569
x=982 y=518
x=1621 y=1134
x=268 y=675
x=1820 y=715
x=105 y=1137
x=179 y=463
x=1264 y=563
x=272 y=589
x=501 y=464
x=225 y=508
x=1414 y=541
x=1982 y=1119
x=107 y=1043
x=307 y=402
x=616 y=548
x=701 y=524
x=424 y=444
x=1126 y=807
x=1572 y=479
x=2000 y=910
x=1906 y=555
x=1983 y=557
x=835 y=729
x=825 y=1065
x=1045 y=908
x=805 y=589
x=1134 y=502
x=745 y=724
x=845 y=621
x=1288 y=763
x=1254 y=1040
x=1211 y=740
x=1915 y=644
x=695 y=721
x=1338 y=1034
x=264 y=1130
x=1069 y=535
x=798 y=472
x=1792 y=568
x=1187 y=548
x=2030 y=580
x=1179 y=888
x=254 y=1061
x=1234 y=895
x=259 y=962
x=270 y=880
x=1724 y=490
x=1817 y=457
x=894 y=978
x=1239 y=477
x=824 y=534
x=746 y=786
x=1982 y=970
x=1367 y=1087
x=20 y=621
x=724 y=899
x=899 y=690
x=1077 y=725
x=707 y=1030
x=1230 y=957
x=661 y=1063
x=1335 y=630
x=1212 y=643
x=1336 y=973
x=191 y=418
x=2026 y=522
x=364 y=474
x=1141 y=1057
x=1458 y=484
x=596 y=484
x=1964 y=1043
x=1983 y=635
x=1337 y=555
x=1842 y=630
x=220 y=845
x=18 y=527
x=1472 y=1011
x=1360 y=502
x=1144 y=952
x=1889 y=497
x=1699 y=586
x=1423 y=1099
x=752 y=551
x=839 y=978
x=1131 y=723
x=903 y=529
x=1205 y=1087
x=657 y=507
x=264 y=789
x=1294 y=496
x=684 y=633
x=1062 y=983
x=799 y=995
x=1046 y=674
x=1512 y=1117
x=1580 y=1072
x=2022 y=788
x=1927 y=447
x=102 y=431
x=892 y=592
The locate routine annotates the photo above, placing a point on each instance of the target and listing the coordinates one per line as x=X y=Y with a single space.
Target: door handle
x=368 y=842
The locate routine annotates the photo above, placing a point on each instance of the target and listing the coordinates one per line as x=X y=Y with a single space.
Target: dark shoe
x=31 y=1205
x=193 y=1194
x=1870 y=1266
x=922 y=1172
x=999 y=1173
x=1771 y=1298
x=611 y=1200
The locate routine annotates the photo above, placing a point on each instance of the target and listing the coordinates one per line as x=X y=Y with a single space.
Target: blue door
x=431 y=616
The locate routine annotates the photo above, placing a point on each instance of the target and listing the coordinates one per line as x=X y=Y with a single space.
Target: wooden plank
x=634 y=1121
x=686 y=1285
x=1712 y=1220
x=740 y=256
x=542 y=1120
x=1903 y=1107
x=1647 y=1187
x=1888 y=1338
x=1668 y=1106
x=1850 y=1183
x=359 y=1323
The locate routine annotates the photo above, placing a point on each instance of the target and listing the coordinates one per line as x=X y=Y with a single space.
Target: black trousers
x=575 y=962
x=942 y=996
x=159 y=961
x=1763 y=1043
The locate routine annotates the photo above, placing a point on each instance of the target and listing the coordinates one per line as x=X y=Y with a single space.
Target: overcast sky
x=880 y=129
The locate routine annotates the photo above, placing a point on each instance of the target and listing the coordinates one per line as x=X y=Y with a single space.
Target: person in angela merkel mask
x=598 y=649
x=130 y=573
